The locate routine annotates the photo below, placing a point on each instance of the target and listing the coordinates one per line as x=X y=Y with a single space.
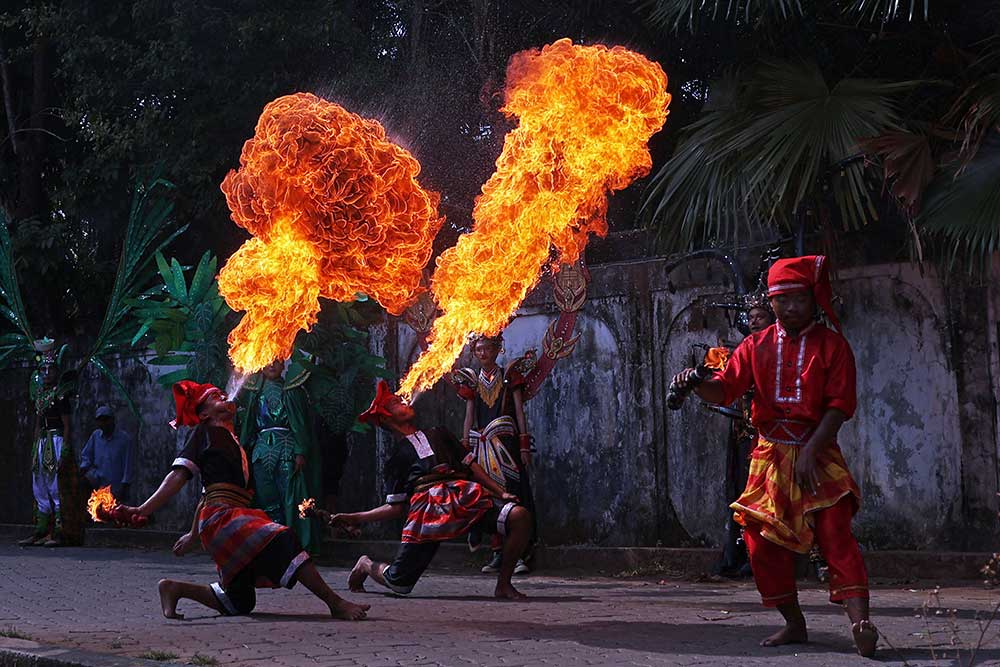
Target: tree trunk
x=31 y=199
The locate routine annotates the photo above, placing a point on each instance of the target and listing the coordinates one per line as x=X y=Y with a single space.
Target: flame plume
x=335 y=209
x=100 y=504
x=586 y=113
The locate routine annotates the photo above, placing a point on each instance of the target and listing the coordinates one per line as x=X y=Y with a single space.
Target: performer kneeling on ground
x=248 y=548
x=430 y=479
x=799 y=489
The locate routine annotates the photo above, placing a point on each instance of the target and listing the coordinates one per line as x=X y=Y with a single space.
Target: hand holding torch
x=684 y=383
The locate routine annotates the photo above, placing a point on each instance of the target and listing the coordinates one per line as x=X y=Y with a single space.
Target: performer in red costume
x=442 y=493
x=249 y=549
x=799 y=490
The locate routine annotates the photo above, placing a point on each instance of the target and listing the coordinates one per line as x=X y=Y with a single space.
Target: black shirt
x=431 y=451
x=215 y=453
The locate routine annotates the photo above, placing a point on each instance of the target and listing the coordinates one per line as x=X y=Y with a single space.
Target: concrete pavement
x=102 y=602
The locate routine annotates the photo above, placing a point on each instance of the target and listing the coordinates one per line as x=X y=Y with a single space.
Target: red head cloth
x=377 y=409
x=804 y=273
x=188 y=396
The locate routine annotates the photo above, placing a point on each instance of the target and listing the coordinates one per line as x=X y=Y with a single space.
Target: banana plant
x=185 y=323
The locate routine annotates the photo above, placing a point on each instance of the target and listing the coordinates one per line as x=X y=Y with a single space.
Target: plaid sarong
x=775 y=503
x=234 y=535
x=445 y=511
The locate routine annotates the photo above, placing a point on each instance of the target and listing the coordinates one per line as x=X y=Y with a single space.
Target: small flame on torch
x=100 y=503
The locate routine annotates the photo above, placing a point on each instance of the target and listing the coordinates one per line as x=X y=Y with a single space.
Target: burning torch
x=103 y=508
x=308 y=510
x=677 y=392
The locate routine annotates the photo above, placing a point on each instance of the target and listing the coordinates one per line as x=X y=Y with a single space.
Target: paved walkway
x=104 y=601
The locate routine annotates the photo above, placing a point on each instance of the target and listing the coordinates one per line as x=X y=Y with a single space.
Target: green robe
x=290 y=411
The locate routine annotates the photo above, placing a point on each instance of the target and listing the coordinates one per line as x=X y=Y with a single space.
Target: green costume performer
x=55 y=479
x=276 y=429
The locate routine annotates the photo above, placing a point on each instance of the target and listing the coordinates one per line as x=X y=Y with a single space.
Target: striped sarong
x=233 y=534
x=445 y=511
x=775 y=503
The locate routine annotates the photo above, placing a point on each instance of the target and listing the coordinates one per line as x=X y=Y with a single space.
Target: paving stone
x=104 y=601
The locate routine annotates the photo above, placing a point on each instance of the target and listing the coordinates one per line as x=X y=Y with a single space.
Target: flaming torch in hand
x=103 y=508
x=308 y=510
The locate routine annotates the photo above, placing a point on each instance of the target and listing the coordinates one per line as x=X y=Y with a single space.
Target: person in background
x=108 y=456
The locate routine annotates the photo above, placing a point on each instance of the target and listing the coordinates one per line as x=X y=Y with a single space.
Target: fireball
x=335 y=209
x=585 y=116
x=100 y=504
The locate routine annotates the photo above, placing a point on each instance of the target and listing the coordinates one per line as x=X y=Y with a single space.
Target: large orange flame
x=335 y=208
x=586 y=114
x=100 y=504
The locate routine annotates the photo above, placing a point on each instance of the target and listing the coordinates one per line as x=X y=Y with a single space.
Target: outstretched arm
x=171 y=484
x=381 y=513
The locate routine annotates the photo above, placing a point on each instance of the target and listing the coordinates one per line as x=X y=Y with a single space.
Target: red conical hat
x=188 y=396
x=377 y=409
x=809 y=272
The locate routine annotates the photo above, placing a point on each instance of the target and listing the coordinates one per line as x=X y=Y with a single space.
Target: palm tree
x=806 y=141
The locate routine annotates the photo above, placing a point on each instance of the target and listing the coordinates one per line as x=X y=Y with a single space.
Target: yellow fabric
x=778 y=505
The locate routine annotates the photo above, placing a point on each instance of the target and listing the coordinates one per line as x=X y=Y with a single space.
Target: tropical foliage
x=150 y=228
x=836 y=133
x=186 y=324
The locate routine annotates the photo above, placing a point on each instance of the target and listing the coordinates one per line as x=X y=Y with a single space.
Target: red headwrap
x=377 y=409
x=188 y=396
x=804 y=273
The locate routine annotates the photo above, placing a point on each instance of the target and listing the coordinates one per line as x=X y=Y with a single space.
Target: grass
x=11 y=632
x=158 y=655
x=198 y=659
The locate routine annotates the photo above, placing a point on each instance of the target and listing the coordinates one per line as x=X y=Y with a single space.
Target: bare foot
x=790 y=634
x=356 y=582
x=348 y=611
x=508 y=592
x=168 y=598
x=865 y=637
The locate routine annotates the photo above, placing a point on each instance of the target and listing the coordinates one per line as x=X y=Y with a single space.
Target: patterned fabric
x=777 y=504
x=233 y=536
x=445 y=511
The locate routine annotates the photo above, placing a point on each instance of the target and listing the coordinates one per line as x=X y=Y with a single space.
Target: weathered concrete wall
x=615 y=467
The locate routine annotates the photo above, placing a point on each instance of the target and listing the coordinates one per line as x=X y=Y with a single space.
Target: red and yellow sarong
x=445 y=510
x=775 y=504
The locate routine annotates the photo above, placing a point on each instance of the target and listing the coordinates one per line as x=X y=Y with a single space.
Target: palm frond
x=888 y=10
x=757 y=160
x=185 y=324
x=672 y=14
x=16 y=344
x=150 y=229
x=908 y=165
x=962 y=206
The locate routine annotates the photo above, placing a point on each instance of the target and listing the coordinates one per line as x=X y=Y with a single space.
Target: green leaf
x=963 y=208
x=769 y=144
x=170 y=378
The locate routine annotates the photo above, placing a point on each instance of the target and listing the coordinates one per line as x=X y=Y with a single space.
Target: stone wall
x=615 y=467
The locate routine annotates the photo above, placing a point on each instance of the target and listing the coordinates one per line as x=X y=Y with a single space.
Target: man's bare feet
x=169 y=595
x=508 y=592
x=790 y=634
x=348 y=611
x=865 y=637
x=356 y=582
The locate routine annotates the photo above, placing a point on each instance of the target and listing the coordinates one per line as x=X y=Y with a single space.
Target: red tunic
x=796 y=381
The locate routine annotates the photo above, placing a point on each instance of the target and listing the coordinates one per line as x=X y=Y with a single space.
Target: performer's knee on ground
x=236 y=600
